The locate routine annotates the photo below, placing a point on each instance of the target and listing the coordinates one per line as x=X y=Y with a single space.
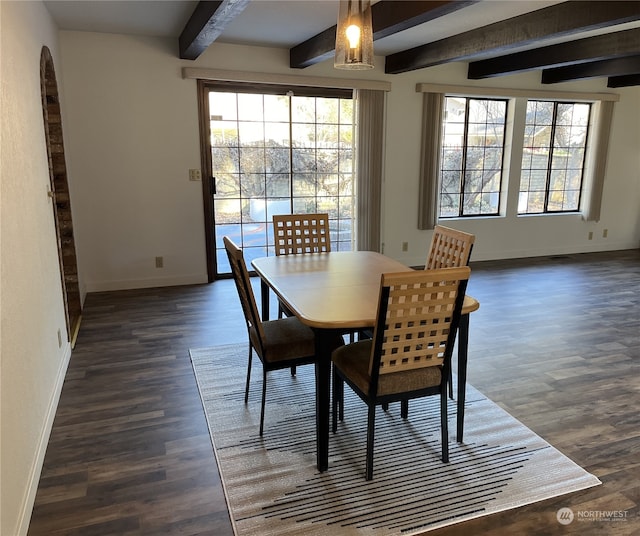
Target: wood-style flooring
x=556 y=342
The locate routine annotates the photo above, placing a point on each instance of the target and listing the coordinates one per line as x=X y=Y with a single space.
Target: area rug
x=272 y=485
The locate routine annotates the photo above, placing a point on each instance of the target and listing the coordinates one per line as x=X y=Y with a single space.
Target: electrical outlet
x=590 y=235
x=605 y=233
x=59 y=339
x=195 y=175
x=159 y=262
x=405 y=246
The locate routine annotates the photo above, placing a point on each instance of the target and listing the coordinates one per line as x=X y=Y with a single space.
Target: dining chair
x=301 y=233
x=296 y=234
x=449 y=248
x=409 y=355
x=280 y=344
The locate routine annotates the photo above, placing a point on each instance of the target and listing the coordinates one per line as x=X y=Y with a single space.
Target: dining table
x=337 y=292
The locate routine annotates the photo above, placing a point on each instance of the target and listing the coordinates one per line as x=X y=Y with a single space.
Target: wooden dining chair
x=280 y=344
x=301 y=233
x=296 y=234
x=409 y=355
x=449 y=248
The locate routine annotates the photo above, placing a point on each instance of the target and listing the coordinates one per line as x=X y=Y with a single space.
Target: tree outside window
x=553 y=156
x=279 y=154
x=472 y=154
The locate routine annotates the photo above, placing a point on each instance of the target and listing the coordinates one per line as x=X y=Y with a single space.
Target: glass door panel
x=278 y=154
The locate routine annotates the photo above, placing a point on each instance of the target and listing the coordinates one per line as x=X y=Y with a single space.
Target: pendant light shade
x=354 y=36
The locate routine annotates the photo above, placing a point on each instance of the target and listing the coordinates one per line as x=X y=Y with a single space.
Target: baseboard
x=36 y=470
x=479 y=255
x=74 y=332
x=106 y=286
x=551 y=251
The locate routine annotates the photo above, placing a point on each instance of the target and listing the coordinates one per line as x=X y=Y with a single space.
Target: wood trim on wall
x=510 y=92
x=205 y=166
x=61 y=197
x=283 y=79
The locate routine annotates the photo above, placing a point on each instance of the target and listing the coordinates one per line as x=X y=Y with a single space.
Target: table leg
x=323 y=395
x=463 y=343
x=264 y=297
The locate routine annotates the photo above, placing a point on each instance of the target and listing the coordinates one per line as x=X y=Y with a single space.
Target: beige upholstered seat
x=409 y=355
x=301 y=233
x=280 y=344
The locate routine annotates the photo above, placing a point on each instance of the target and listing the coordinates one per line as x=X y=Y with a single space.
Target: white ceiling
x=140 y=17
x=277 y=23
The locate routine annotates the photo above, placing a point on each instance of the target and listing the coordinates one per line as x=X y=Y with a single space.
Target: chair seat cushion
x=353 y=361
x=288 y=338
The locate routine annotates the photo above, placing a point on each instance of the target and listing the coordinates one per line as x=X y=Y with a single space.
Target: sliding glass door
x=281 y=151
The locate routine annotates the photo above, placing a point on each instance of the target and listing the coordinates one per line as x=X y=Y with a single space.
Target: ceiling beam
x=207 y=22
x=314 y=50
x=624 y=81
x=559 y=20
x=387 y=18
x=596 y=48
x=592 y=69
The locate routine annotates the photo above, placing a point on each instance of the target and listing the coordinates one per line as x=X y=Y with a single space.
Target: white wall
x=131 y=134
x=511 y=236
x=32 y=310
x=133 y=131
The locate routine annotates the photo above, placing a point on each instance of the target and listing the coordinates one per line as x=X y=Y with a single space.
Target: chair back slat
x=449 y=248
x=243 y=285
x=418 y=314
x=301 y=233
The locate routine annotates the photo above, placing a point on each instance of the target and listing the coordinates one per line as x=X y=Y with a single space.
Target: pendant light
x=354 y=36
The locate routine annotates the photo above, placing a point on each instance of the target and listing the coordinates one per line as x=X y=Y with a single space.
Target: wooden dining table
x=337 y=292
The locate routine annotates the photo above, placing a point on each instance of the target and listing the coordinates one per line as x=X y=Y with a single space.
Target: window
x=550 y=155
x=472 y=156
x=279 y=152
x=553 y=157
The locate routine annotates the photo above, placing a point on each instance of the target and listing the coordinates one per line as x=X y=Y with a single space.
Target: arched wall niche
x=59 y=192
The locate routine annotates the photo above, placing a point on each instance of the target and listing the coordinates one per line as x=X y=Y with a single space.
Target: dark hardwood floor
x=556 y=342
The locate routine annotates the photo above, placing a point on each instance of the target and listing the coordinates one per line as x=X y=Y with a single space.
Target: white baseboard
x=129 y=284
x=479 y=255
x=36 y=470
x=551 y=251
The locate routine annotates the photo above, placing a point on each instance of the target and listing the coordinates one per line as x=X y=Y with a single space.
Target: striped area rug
x=273 y=487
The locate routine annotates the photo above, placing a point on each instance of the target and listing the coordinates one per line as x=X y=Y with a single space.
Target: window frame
x=204 y=88
x=464 y=158
x=550 y=158
x=603 y=105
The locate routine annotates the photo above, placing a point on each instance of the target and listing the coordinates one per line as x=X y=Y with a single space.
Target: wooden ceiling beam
x=624 y=81
x=207 y=22
x=387 y=18
x=600 y=47
x=318 y=48
x=559 y=20
x=592 y=69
